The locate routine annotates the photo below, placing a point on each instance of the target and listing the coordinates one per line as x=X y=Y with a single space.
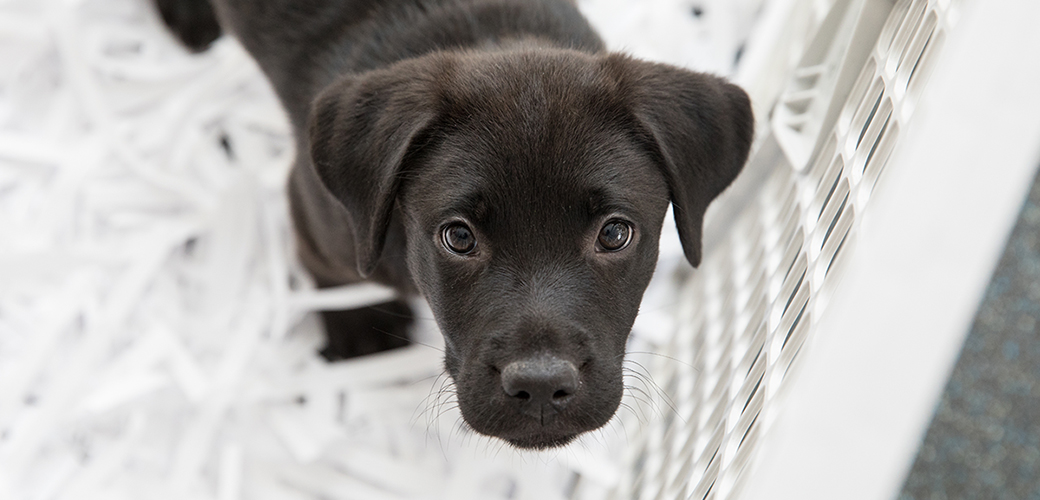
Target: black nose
x=540 y=380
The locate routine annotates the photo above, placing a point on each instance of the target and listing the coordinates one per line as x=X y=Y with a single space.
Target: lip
x=529 y=435
x=540 y=441
x=526 y=433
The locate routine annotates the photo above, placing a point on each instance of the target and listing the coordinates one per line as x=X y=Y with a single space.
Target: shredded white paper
x=157 y=337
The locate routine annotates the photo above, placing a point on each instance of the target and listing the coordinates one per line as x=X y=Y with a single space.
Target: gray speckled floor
x=984 y=440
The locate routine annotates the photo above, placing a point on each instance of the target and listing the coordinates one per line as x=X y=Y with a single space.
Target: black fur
x=193 y=21
x=387 y=326
x=508 y=116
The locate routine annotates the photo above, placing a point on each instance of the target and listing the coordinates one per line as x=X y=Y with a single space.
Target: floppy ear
x=701 y=128
x=362 y=130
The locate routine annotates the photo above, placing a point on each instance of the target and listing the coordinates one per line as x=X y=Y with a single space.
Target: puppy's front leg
x=192 y=21
x=368 y=330
x=324 y=244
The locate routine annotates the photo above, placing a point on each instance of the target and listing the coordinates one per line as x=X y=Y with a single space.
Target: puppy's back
x=303 y=45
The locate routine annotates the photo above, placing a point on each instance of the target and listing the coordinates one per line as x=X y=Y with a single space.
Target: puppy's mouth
x=526 y=433
x=526 y=430
x=538 y=403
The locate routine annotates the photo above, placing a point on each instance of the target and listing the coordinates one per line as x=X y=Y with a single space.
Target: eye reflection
x=615 y=235
x=458 y=238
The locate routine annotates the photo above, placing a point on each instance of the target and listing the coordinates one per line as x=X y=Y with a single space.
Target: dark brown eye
x=459 y=239
x=615 y=235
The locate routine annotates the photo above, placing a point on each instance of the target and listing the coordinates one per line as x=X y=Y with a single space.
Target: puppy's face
x=532 y=187
x=532 y=231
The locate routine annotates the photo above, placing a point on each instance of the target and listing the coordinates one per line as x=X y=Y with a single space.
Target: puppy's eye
x=615 y=235
x=459 y=239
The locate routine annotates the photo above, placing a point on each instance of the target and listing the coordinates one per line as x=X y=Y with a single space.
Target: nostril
x=560 y=394
x=522 y=395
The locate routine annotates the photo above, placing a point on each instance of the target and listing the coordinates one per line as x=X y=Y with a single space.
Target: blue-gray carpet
x=984 y=440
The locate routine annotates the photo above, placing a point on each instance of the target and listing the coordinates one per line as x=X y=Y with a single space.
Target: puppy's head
x=532 y=186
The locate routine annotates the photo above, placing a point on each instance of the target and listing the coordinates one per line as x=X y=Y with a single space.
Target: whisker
x=665 y=356
x=399 y=315
x=648 y=376
x=647 y=401
x=649 y=398
x=649 y=382
x=620 y=421
x=634 y=413
x=413 y=341
x=436 y=404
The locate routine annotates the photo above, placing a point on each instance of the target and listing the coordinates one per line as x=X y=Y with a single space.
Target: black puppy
x=490 y=155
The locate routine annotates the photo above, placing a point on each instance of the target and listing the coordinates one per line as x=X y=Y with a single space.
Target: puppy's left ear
x=700 y=127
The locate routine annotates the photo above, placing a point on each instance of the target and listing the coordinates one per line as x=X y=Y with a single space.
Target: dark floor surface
x=984 y=440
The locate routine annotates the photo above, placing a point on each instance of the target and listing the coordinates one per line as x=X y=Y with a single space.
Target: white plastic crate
x=747 y=312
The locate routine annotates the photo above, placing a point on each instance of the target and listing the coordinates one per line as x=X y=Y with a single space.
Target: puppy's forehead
x=563 y=177
x=512 y=82
x=490 y=207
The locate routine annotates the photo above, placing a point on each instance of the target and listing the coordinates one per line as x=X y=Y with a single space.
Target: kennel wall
x=872 y=296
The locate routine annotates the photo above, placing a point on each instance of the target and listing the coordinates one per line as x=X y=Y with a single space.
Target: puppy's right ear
x=362 y=130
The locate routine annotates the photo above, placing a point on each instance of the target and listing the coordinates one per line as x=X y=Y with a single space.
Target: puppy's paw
x=193 y=21
x=368 y=330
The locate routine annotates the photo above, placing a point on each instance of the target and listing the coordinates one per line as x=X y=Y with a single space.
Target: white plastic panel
x=748 y=312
